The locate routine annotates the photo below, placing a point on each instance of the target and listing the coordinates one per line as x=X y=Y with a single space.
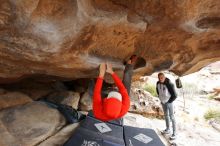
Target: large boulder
x=9 y=99
x=61 y=137
x=28 y=125
x=65 y=97
x=85 y=103
x=36 y=87
x=68 y=39
x=142 y=102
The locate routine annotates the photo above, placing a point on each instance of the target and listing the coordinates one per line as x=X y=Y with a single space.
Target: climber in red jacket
x=116 y=104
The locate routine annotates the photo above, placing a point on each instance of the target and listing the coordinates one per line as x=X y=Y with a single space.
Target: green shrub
x=190 y=89
x=212 y=114
x=211 y=97
x=151 y=89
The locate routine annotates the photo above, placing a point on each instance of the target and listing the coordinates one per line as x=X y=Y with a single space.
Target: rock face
x=85 y=103
x=9 y=99
x=29 y=124
x=66 y=97
x=145 y=104
x=61 y=137
x=69 y=38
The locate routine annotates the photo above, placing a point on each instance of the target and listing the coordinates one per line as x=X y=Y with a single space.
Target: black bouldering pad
x=98 y=132
x=107 y=131
x=94 y=132
x=141 y=137
x=84 y=139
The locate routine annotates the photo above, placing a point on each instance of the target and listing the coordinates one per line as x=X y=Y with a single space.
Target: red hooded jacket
x=111 y=108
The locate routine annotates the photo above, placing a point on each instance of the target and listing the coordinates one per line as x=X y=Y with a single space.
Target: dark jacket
x=170 y=88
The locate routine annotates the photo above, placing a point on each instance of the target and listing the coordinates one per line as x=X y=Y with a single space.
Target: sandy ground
x=192 y=128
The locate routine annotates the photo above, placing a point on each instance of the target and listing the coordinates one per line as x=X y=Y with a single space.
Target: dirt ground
x=192 y=128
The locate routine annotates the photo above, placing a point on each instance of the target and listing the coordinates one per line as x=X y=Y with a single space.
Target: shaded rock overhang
x=68 y=39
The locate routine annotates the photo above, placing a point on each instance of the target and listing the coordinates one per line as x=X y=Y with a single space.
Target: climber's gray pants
x=127 y=77
x=169 y=114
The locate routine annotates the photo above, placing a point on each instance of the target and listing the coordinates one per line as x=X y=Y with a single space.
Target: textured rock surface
x=145 y=104
x=66 y=97
x=85 y=103
x=9 y=99
x=29 y=124
x=36 y=87
x=69 y=38
x=61 y=137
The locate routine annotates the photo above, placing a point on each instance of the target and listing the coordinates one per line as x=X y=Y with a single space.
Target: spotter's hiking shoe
x=173 y=137
x=166 y=131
